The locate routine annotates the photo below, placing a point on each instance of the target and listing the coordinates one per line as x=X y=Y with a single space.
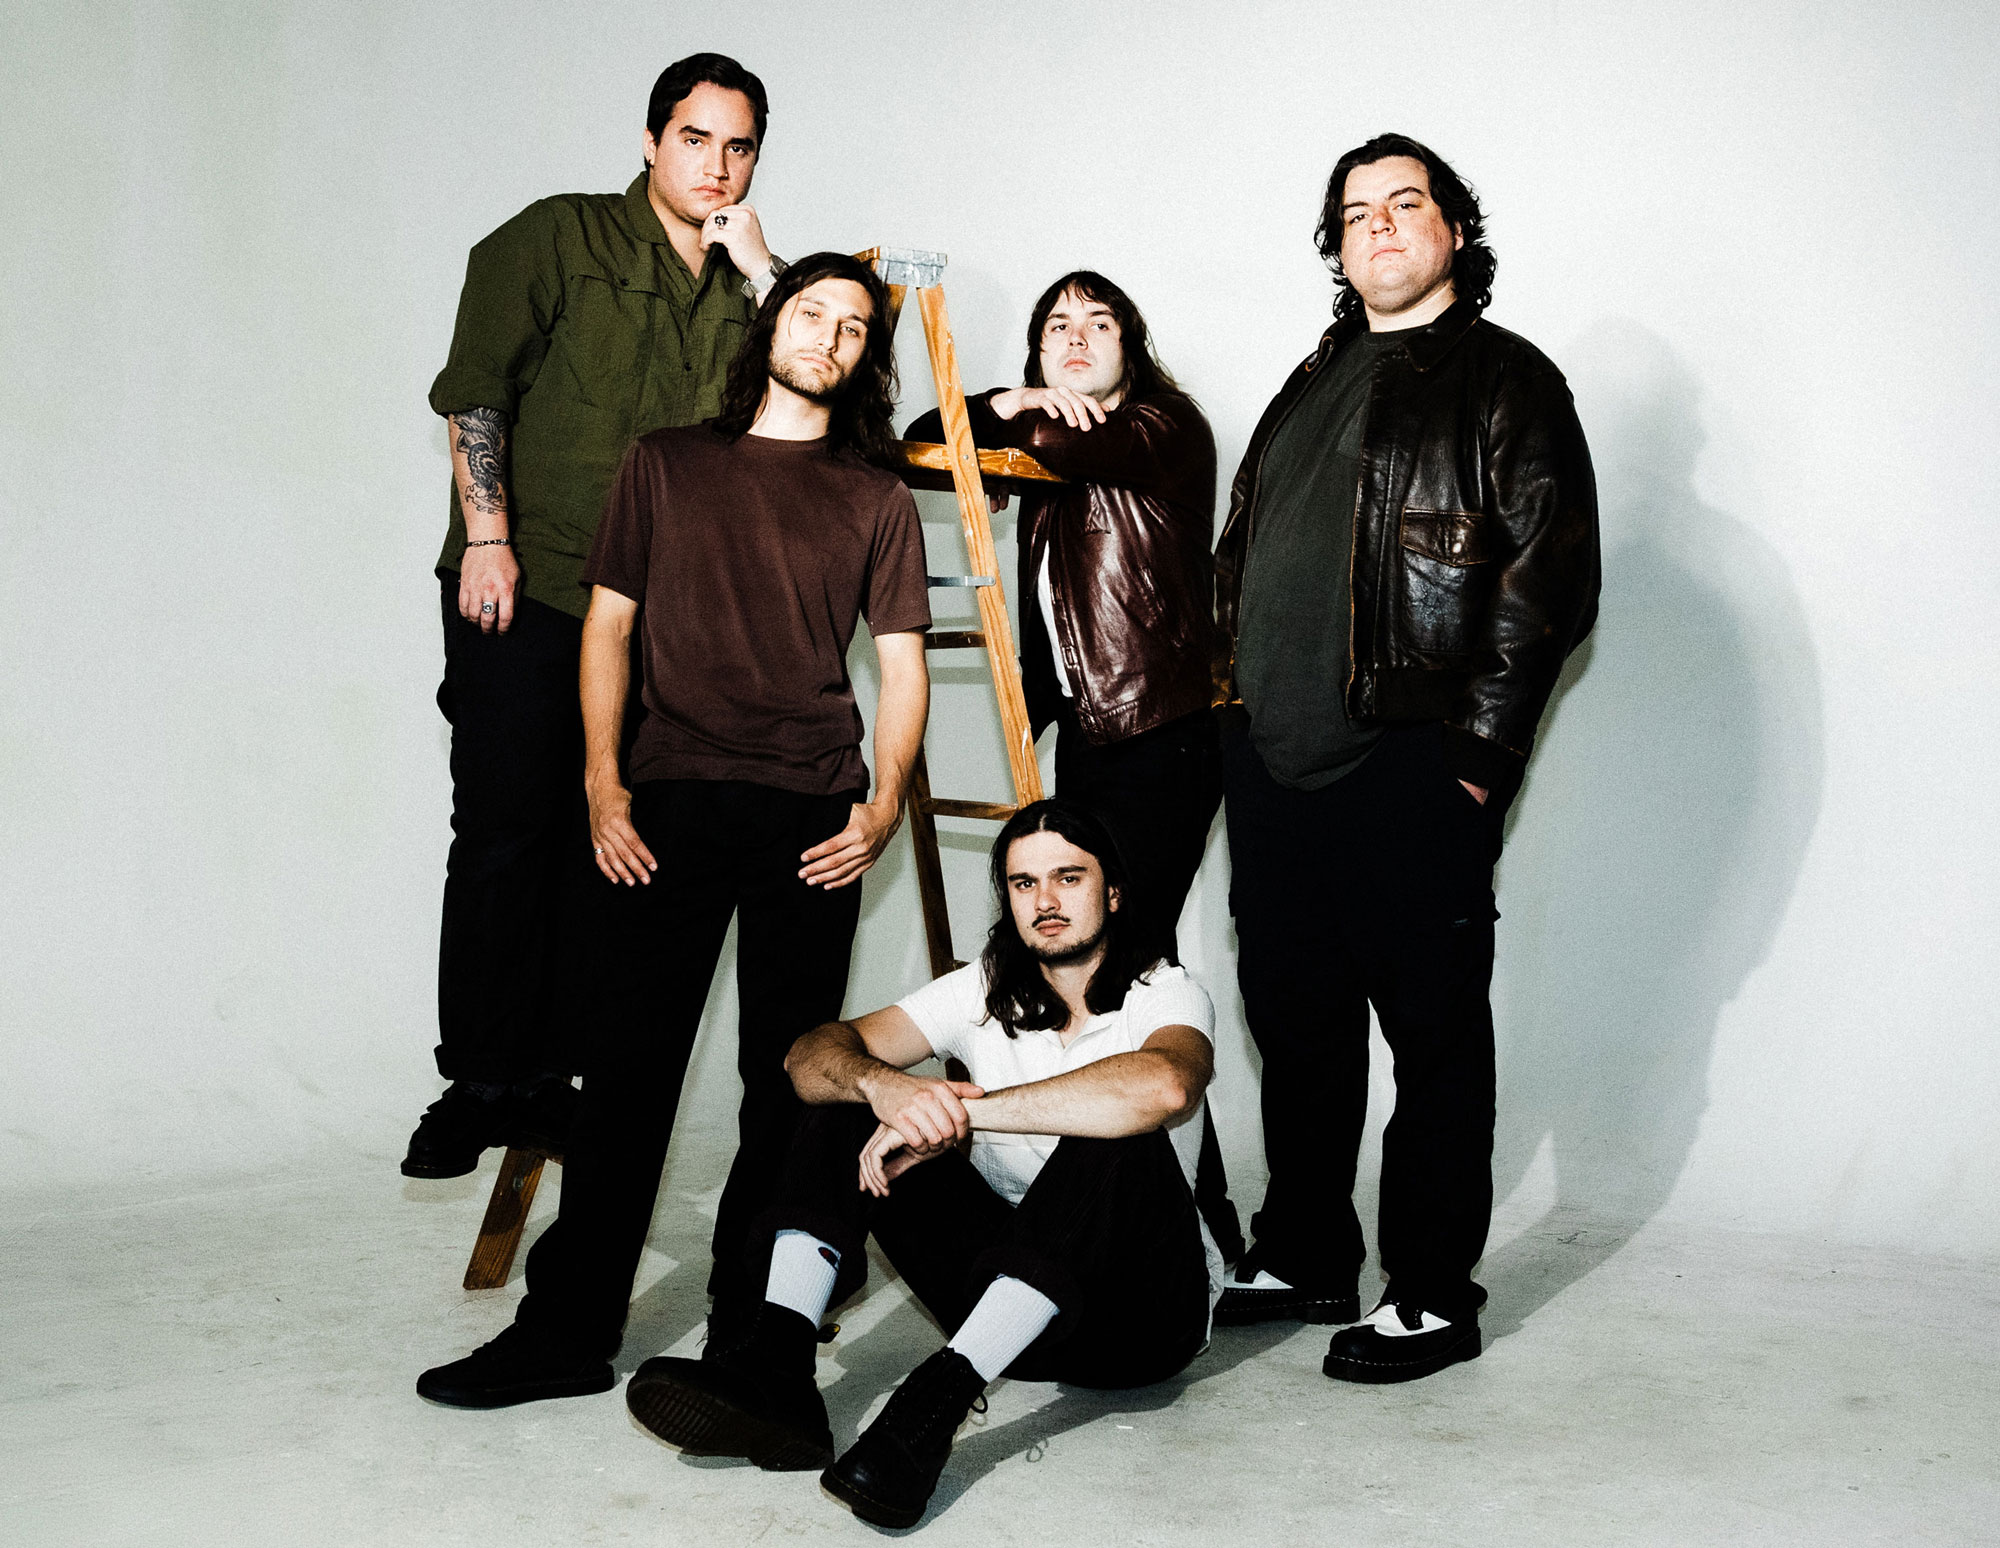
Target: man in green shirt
x=586 y=321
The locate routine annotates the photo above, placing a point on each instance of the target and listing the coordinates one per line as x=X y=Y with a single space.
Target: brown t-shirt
x=751 y=560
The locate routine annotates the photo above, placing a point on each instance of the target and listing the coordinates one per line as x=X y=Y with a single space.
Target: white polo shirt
x=951 y=1013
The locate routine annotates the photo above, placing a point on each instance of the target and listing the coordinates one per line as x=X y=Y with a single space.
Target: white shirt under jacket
x=951 y=1013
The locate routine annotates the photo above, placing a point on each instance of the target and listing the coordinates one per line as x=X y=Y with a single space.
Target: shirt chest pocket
x=605 y=341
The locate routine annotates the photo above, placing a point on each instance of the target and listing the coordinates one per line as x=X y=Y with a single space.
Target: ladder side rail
x=972 y=513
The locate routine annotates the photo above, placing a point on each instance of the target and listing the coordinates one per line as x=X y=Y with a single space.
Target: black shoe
x=455 y=1129
x=540 y=1113
x=753 y=1398
x=1400 y=1342
x=1244 y=1300
x=889 y=1474
x=513 y=1368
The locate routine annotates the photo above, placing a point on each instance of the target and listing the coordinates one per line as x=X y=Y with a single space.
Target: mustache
x=1042 y=919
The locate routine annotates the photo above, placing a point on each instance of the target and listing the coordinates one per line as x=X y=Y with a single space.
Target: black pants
x=1107 y=1231
x=1376 y=889
x=723 y=847
x=1157 y=792
x=516 y=889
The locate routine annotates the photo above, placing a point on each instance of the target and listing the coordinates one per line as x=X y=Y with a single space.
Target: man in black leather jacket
x=1411 y=552
x=1115 y=588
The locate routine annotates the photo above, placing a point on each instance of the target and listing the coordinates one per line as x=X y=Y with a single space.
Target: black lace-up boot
x=889 y=1474
x=750 y=1396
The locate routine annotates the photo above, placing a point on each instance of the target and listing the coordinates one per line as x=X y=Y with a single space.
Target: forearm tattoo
x=482 y=437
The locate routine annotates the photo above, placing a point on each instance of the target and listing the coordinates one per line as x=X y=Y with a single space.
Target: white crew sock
x=1009 y=1317
x=803 y=1269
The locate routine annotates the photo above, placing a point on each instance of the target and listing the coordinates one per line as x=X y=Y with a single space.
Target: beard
x=784 y=369
x=1052 y=954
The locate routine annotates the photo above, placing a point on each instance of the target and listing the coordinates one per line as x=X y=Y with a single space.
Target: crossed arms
x=866 y=1060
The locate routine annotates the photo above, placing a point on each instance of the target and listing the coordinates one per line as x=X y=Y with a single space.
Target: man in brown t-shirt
x=743 y=552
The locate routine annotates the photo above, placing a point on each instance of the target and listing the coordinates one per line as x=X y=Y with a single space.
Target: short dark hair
x=864 y=410
x=1144 y=375
x=1017 y=995
x=1472 y=265
x=683 y=75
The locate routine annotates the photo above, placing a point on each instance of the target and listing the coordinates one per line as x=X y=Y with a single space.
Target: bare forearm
x=900 y=716
x=1125 y=1094
x=604 y=680
x=479 y=465
x=831 y=1064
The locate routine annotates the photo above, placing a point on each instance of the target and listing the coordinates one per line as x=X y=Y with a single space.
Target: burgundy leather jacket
x=1129 y=561
x=1475 y=568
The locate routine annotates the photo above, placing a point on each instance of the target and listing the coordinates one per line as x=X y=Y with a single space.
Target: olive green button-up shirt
x=581 y=324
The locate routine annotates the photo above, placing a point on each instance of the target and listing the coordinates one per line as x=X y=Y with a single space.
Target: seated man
x=1063 y=1245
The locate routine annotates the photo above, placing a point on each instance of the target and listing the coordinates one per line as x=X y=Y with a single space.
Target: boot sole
x=435 y=1170
x=868 y=1510
x=522 y=1392
x=1341 y=1368
x=704 y=1425
x=1322 y=1313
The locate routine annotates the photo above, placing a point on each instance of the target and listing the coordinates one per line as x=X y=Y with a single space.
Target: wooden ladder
x=959 y=466
x=956 y=465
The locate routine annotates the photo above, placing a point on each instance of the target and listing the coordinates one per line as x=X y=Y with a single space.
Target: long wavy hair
x=1018 y=996
x=1472 y=265
x=1144 y=375
x=865 y=406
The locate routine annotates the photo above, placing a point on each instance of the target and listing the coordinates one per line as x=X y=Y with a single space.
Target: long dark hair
x=864 y=409
x=1472 y=265
x=683 y=75
x=1144 y=375
x=1017 y=995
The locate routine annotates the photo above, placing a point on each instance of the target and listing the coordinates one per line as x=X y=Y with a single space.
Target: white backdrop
x=1750 y=893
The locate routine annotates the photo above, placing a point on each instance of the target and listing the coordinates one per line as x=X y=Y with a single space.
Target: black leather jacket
x=1129 y=564
x=1475 y=568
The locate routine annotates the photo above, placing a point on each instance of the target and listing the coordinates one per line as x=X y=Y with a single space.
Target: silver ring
x=597 y=849
x=721 y=220
x=486 y=607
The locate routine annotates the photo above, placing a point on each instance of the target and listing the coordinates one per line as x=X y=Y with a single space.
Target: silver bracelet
x=487 y=542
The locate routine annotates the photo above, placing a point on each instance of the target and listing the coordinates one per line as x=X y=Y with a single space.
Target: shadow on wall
x=1660 y=838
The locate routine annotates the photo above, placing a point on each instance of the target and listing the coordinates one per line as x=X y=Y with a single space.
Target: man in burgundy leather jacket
x=1116 y=597
x=1411 y=552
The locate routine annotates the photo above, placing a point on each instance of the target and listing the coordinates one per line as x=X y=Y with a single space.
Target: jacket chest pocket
x=1447 y=572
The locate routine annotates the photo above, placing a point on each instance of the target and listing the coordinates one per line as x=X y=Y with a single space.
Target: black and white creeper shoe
x=1252 y=1293
x=1399 y=1341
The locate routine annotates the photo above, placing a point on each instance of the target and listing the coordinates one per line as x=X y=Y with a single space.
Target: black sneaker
x=455 y=1129
x=541 y=1111
x=889 y=1474
x=754 y=1397
x=1400 y=1342
x=513 y=1368
x=1252 y=1293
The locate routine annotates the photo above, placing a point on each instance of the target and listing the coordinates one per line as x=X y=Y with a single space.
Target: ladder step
x=958 y=580
x=927 y=465
x=953 y=639
x=997 y=811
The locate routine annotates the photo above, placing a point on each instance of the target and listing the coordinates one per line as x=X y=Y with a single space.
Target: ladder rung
x=958 y=580
x=953 y=639
x=931 y=458
x=996 y=811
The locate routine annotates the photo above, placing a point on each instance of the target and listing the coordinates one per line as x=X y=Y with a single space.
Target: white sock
x=803 y=1269
x=1387 y=1320
x=1009 y=1317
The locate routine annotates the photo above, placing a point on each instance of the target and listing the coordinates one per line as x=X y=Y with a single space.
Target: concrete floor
x=233 y=1365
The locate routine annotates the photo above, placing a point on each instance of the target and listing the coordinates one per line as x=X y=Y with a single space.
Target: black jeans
x=1376 y=889
x=1157 y=792
x=516 y=889
x=724 y=847
x=1107 y=1231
